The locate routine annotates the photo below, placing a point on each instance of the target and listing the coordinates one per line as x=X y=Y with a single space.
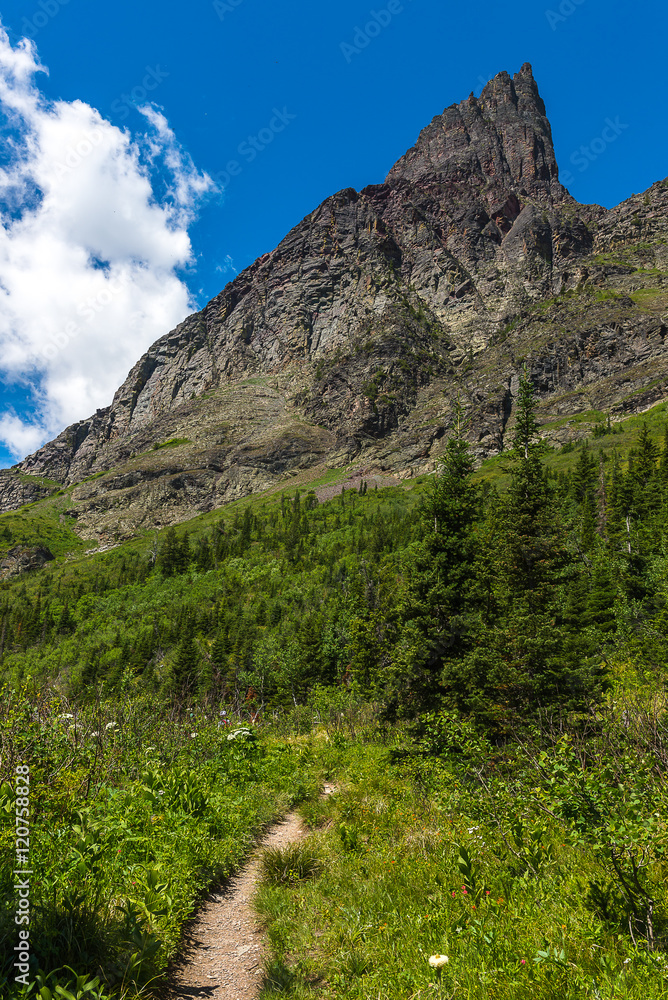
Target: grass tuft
x=289 y=865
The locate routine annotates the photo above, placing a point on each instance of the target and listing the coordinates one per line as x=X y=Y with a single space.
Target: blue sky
x=279 y=93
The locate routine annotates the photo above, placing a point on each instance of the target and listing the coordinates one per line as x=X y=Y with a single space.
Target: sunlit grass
x=415 y=873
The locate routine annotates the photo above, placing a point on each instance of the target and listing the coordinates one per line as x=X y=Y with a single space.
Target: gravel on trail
x=224 y=945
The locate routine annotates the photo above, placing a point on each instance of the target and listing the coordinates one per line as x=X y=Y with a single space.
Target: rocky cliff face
x=22 y=559
x=355 y=336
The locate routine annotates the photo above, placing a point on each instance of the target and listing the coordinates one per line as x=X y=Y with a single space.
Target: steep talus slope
x=353 y=339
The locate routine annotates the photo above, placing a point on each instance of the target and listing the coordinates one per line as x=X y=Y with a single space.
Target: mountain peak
x=501 y=140
x=350 y=341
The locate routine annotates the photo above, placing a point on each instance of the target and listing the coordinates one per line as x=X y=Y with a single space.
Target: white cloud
x=227 y=265
x=89 y=257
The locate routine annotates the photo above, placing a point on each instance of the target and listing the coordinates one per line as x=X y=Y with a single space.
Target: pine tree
x=184 y=555
x=436 y=613
x=648 y=453
x=584 y=475
x=204 y=554
x=529 y=521
x=528 y=656
x=186 y=663
x=66 y=623
x=601 y=596
x=219 y=651
x=169 y=553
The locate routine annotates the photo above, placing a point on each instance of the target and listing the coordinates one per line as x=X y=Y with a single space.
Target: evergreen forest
x=475 y=658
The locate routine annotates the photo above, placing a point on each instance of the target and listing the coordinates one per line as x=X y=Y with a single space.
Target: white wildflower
x=67 y=715
x=111 y=725
x=438 y=961
x=240 y=734
x=193 y=735
x=94 y=735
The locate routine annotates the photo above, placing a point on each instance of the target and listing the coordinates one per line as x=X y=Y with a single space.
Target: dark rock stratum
x=354 y=339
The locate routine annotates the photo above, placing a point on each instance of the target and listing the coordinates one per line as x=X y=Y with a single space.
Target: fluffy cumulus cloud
x=90 y=257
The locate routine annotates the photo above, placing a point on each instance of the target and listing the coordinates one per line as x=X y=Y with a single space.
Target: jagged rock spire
x=499 y=141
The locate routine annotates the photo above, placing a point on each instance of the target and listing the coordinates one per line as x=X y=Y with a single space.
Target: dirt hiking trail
x=223 y=945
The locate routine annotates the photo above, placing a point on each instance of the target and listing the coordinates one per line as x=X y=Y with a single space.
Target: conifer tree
x=219 y=651
x=204 y=554
x=601 y=596
x=186 y=662
x=436 y=612
x=169 y=553
x=184 y=555
x=528 y=657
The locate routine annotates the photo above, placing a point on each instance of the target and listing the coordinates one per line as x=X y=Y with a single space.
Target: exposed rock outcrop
x=22 y=559
x=354 y=337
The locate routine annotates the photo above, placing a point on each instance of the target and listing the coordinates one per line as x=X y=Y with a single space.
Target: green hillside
x=476 y=658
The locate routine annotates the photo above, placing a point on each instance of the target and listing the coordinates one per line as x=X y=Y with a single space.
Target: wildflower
x=111 y=725
x=67 y=715
x=438 y=961
x=454 y=893
x=94 y=735
x=465 y=890
x=240 y=734
x=523 y=962
x=193 y=735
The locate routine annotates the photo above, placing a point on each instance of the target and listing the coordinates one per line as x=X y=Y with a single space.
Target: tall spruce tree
x=528 y=657
x=437 y=609
x=186 y=662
